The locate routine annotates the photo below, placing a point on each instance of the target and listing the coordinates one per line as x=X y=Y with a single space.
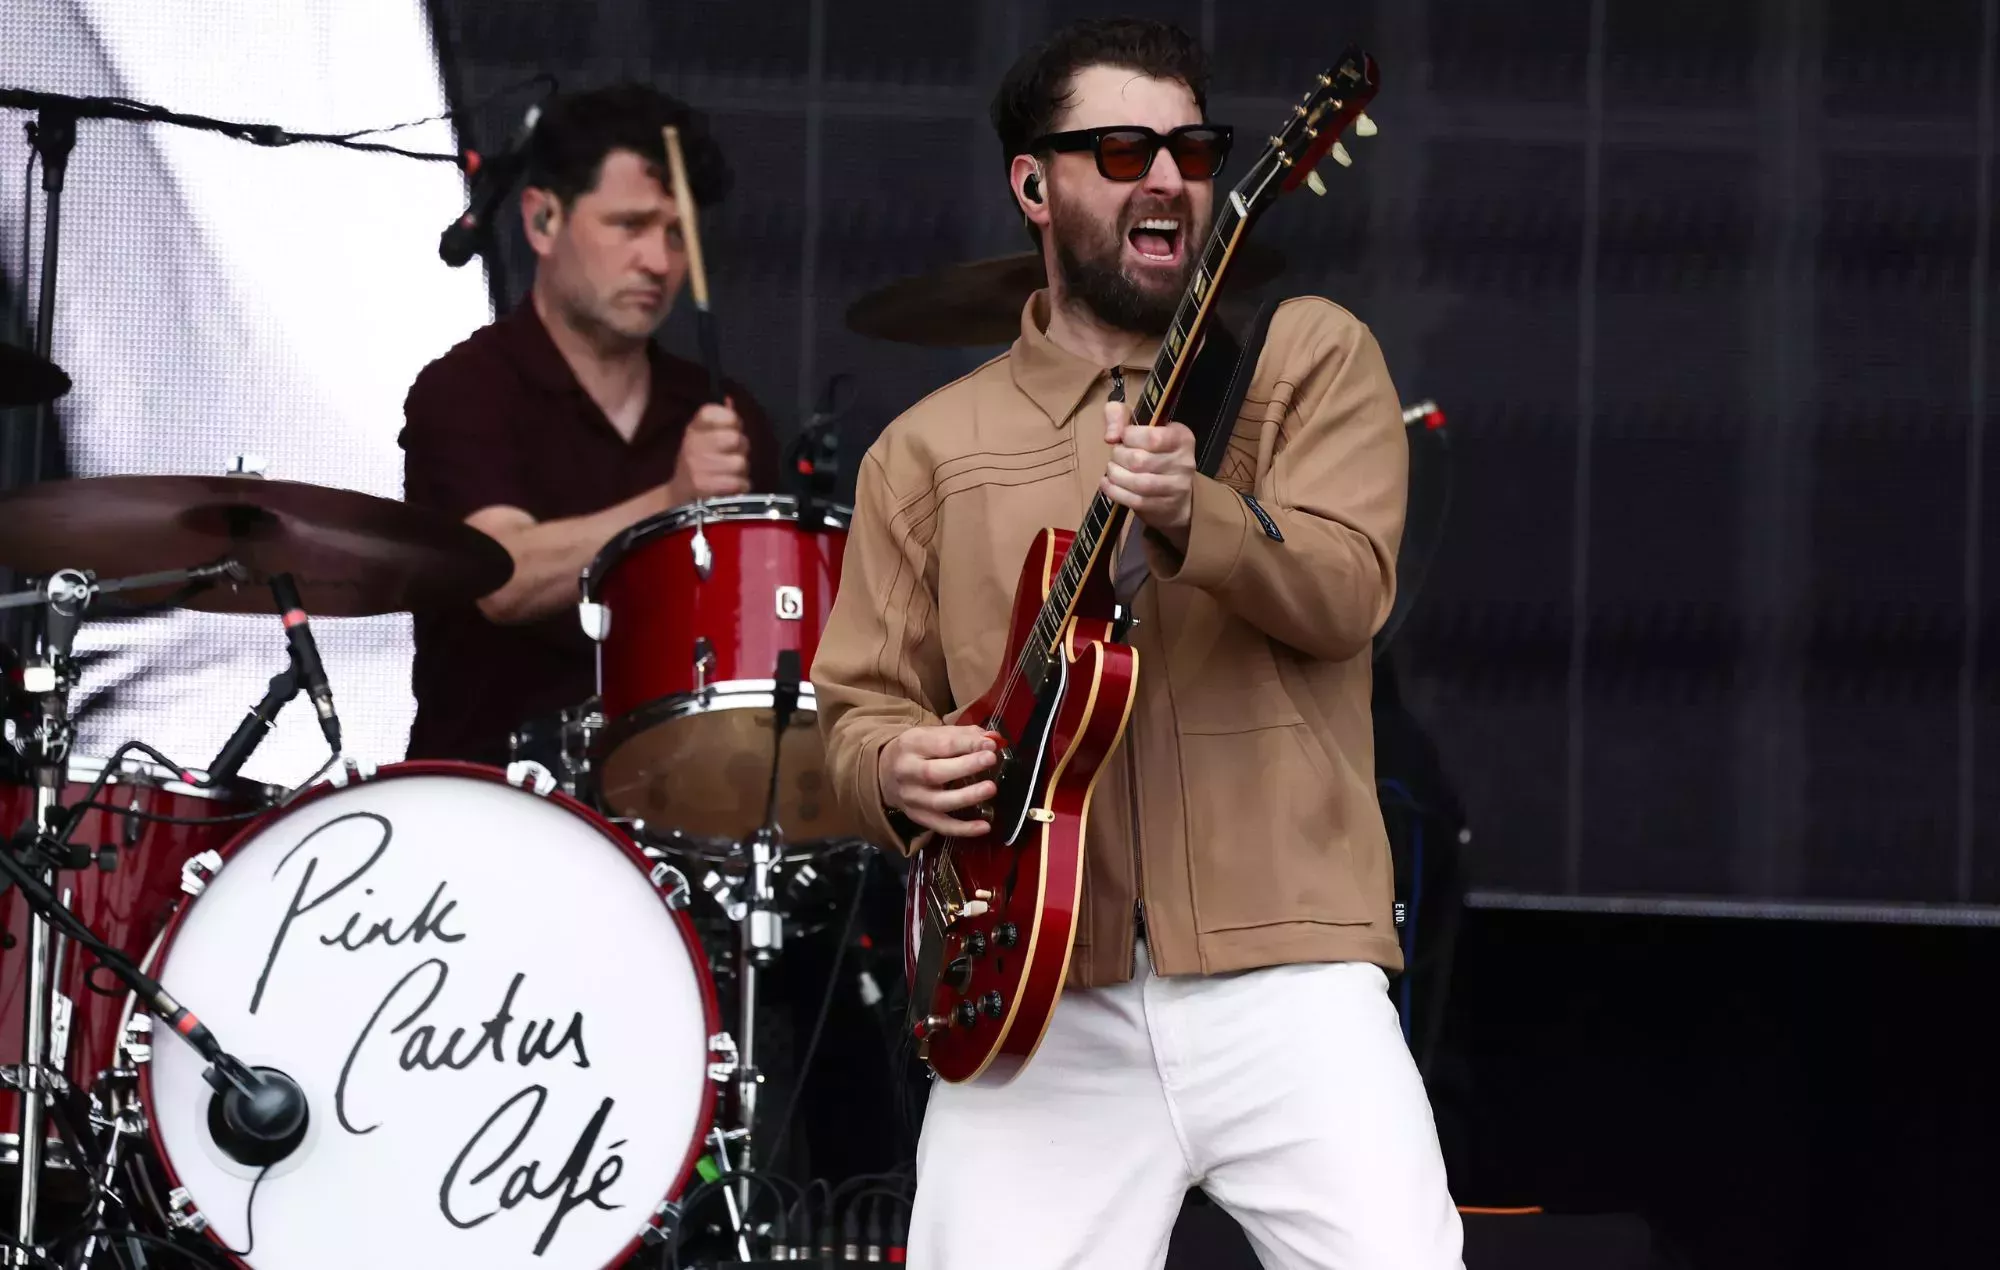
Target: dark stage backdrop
x=1704 y=288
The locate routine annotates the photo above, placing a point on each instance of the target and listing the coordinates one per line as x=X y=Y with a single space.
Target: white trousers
x=1287 y=1094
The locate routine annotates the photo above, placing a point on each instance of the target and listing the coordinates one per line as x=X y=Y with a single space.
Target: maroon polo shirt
x=502 y=420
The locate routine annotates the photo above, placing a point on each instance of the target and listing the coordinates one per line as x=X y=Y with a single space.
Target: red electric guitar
x=991 y=919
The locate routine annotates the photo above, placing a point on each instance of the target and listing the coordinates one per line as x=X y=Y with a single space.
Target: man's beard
x=1091 y=257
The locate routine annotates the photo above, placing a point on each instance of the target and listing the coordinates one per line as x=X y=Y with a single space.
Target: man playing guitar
x=563 y=423
x=1226 y=1022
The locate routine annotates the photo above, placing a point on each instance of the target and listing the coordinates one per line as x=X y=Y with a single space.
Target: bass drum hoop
x=711 y=1012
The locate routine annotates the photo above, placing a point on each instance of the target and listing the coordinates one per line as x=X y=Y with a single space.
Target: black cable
x=249 y=1217
x=453 y=116
x=707 y=1190
x=111 y=768
x=825 y=1003
x=194 y=1253
x=154 y=817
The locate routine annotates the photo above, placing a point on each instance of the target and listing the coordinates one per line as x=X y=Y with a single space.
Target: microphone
x=250 y=733
x=785 y=689
x=258 y=1115
x=491 y=179
x=305 y=656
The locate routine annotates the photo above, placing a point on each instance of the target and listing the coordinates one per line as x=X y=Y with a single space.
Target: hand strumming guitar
x=927 y=772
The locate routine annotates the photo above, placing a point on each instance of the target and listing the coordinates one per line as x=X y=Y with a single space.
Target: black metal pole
x=53 y=137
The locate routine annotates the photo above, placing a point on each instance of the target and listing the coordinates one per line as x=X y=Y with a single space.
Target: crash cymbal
x=352 y=554
x=968 y=305
x=28 y=380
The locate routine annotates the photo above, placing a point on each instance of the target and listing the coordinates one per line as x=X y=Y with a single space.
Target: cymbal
x=27 y=379
x=979 y=303
x=352 y=554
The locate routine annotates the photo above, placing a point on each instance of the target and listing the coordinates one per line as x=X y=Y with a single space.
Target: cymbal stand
x=48 y=677
x=52 y=136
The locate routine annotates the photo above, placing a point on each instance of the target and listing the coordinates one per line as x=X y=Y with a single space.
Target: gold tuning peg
x=1364 y=126
x=1341 y=156
x=1314 y=184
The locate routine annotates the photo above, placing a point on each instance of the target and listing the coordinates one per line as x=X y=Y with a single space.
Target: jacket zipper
x=1138 y=856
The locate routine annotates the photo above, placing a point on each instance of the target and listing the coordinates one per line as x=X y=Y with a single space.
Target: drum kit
x=489 y=987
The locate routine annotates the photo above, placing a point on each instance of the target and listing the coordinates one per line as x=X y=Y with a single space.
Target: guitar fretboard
x=1104 y=519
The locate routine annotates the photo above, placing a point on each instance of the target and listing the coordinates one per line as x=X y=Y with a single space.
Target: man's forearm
x=548 y=555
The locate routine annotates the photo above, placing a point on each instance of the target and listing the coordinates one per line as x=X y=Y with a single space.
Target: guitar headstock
x=1315 y=129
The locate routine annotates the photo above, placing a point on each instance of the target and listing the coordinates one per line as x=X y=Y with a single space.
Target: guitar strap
x=1208 y=405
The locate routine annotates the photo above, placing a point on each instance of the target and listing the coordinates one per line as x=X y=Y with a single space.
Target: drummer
x=563 y=423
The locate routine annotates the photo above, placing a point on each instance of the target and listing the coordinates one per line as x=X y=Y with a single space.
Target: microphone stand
x=48 y=678
x=262 y=1115
x=760 y=932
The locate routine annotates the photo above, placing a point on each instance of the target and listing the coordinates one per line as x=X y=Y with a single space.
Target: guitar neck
x=1105 y=520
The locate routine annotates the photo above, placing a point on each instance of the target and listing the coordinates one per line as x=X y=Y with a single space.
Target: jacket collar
x=1055 y=379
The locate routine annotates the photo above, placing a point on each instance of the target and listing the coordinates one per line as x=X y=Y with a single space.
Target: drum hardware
x=258 y=1115
x=704 y=559
x=560 y=746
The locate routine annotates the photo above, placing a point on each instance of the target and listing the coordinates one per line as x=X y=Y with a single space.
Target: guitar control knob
x=993 y=1005
x=968 y=1014
x=958 y=975
x=975 y=944
x=1007 y=934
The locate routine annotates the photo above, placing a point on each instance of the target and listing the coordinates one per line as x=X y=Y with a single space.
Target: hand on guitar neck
x=932 y=774
x=1151 y=472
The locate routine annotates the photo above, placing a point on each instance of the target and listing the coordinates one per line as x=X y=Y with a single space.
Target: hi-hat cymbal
x=968 y=305
x=352 y=554
x=28 y=380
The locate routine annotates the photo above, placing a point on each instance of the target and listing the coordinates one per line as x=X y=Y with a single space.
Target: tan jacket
x=1249 y=757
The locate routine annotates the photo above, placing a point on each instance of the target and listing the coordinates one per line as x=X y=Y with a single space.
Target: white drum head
x=501 y=1030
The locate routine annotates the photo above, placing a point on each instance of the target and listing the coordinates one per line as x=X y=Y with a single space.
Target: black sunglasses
x=1125 y=152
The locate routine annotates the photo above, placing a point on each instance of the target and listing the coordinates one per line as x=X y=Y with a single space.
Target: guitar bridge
x=948 y=893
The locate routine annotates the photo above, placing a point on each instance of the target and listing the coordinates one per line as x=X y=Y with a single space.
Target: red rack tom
x=690 y=611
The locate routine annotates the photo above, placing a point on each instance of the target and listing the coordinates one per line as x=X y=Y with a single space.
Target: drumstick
x=704 y=320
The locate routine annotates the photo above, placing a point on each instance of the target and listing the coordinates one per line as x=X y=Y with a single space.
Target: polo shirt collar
x=536 y=357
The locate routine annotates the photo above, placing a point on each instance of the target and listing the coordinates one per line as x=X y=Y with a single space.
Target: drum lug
x=596 y=620
x=532 y=777
x=681 y=892
x=138 y=1042
x=349 y=769
x=704 y=662
x=182 y=1213
x=198 y=872
x=704 y=559
x=722 y=1056
x=666 y=1220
